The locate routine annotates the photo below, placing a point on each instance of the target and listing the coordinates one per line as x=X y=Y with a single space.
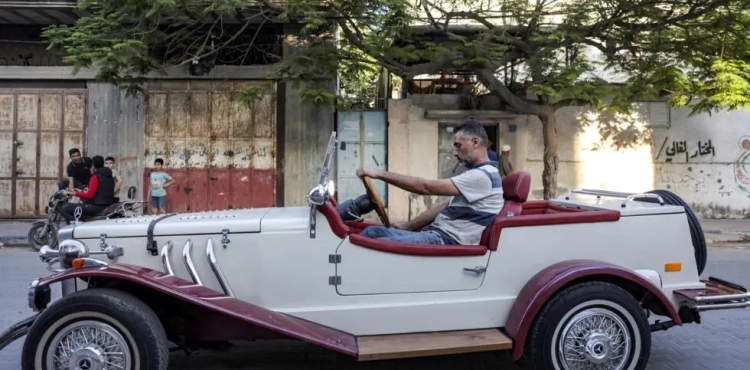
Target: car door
x=366 y=270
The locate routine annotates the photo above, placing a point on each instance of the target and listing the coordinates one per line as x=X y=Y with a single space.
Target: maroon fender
x=216 y=302
x=542 y=286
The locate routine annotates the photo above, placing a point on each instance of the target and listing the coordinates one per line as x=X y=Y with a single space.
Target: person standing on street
x=504 y=164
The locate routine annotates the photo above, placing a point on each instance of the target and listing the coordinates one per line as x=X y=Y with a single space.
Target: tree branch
x=488 y=79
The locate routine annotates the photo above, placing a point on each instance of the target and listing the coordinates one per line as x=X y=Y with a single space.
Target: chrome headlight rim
x=70 y=250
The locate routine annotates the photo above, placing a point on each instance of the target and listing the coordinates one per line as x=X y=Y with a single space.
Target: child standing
x=157 y=188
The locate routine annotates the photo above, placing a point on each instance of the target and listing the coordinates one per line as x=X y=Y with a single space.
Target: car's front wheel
x=593 y=325
x=96 y=329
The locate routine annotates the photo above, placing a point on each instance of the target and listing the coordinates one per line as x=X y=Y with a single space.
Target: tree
x=536 y=57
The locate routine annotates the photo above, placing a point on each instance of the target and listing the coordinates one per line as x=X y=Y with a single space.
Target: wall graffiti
x=741 y=173
x=677 y=148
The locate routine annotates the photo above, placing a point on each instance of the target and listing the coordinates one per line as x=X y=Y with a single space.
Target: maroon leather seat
x=516 y=188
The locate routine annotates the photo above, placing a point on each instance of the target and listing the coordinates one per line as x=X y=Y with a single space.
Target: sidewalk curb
x=732 y=231
x=14 y=241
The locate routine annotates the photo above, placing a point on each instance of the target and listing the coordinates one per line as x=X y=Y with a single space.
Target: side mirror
x=131 y=192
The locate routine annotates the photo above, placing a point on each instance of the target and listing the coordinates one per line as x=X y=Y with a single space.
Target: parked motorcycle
x=44 y=232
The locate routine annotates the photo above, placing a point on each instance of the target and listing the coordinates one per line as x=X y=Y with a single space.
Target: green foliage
x=694 y=51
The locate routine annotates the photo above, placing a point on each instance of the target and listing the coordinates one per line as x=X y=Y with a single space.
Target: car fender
x=542 y=286
x=210 y=299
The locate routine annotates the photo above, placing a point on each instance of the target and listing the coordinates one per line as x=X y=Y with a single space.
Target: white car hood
x=195 y=223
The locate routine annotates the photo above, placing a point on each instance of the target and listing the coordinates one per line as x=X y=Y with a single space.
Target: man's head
x=109 y=162
x=506 y=149
x=158 y=163
x=97 y=161
x=470 y=143
x=75 y=155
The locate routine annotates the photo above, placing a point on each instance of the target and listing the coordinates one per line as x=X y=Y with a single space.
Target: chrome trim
x=722 y=302
x=189 y=262
x=721 y=306
x=719 y=298
x=165 y=257
x=217 y=270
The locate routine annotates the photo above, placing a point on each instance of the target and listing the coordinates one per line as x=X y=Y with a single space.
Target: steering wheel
x=375 y=198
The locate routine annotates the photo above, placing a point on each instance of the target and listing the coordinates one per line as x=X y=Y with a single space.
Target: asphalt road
x=720 y=342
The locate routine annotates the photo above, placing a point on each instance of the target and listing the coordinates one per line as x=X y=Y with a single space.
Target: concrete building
x=222 y=155
x=705 y=159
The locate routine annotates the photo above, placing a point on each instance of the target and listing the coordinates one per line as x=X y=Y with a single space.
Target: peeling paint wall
x=116 y=129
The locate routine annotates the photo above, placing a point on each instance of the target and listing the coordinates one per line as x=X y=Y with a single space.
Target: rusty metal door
x=222 y=154
x=37 y=127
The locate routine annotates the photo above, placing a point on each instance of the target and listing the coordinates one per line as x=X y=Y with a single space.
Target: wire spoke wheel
x=88 y=345
x=595 y=339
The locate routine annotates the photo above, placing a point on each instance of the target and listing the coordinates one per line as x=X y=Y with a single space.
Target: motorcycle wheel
x=37 y=241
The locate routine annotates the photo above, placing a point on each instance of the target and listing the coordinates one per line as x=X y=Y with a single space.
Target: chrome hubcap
x=594 y=339
x=88 y=345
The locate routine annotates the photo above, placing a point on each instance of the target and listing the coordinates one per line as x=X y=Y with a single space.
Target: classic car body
x=304 y=273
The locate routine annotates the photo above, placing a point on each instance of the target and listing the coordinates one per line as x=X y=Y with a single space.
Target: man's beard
x=468 y=161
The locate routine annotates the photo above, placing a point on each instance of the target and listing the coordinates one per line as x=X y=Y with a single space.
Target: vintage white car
x=566 y=284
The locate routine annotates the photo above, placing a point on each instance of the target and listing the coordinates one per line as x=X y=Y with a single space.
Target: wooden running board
x=382 y=347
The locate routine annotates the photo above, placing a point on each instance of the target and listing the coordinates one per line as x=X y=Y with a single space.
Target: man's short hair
x=74 y=151
x=110 y=159
x=473 y=128
x=98 y=161
x=159 y=161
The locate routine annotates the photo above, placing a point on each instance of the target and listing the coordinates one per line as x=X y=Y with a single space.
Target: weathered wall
x=702 y=159
x=116 y=129
x=305 y=133
x=699 y=158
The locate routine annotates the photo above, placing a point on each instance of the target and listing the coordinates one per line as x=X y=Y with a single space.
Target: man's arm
x=413 y=184
x=426 y=218
x=93 y=184
x=71 y=182
x=118 y=182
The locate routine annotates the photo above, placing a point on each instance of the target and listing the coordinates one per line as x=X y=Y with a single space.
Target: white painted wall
x=712 y=182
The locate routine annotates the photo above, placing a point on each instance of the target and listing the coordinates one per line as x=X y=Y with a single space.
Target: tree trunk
x=549 y=175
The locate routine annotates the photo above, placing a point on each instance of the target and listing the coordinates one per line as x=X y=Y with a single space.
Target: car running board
x=384 y=347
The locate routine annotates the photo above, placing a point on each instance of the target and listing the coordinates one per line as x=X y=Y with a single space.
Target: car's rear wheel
x=593 y=325
x=96 y=329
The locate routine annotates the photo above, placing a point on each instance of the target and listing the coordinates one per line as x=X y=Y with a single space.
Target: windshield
x=326 y=168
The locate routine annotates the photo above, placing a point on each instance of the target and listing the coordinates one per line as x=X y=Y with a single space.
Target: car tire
x=592 y=301
x=696 y=231
x=123 y=320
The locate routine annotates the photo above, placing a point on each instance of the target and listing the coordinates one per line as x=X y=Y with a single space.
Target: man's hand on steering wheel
x=366 y=174
x=369 y=172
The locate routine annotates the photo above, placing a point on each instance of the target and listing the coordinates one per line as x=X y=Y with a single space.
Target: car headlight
x=70 y=250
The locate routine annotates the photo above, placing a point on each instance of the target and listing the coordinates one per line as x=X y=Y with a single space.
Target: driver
x=476 y=196
x=100 y=194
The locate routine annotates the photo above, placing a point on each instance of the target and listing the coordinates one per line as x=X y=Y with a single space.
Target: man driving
x=100 y=194
x=476 y=196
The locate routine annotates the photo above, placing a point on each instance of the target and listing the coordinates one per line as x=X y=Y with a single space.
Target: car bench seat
x=516 y=189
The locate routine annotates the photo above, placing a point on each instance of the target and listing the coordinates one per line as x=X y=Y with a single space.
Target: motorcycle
x=44 y=232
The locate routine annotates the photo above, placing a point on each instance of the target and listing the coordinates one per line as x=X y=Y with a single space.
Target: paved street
x=721 y=342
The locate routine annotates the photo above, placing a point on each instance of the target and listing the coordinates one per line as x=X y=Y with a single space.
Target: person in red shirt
x=100 y=194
